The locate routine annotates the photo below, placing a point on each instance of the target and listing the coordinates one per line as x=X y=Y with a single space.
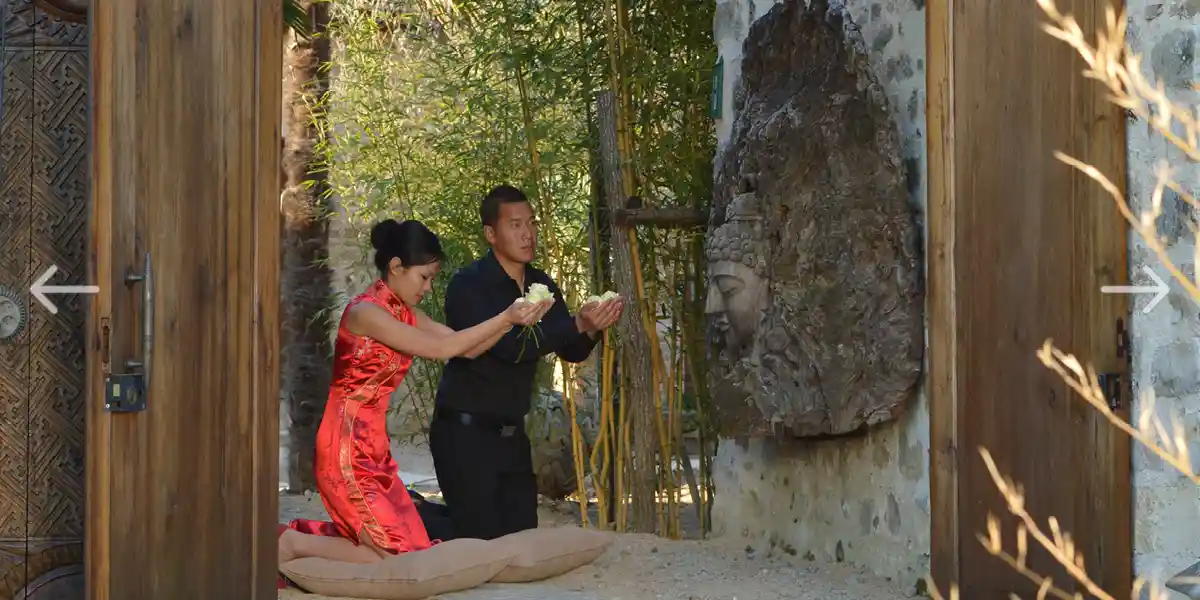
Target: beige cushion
x=549 y=552
x=447 y=567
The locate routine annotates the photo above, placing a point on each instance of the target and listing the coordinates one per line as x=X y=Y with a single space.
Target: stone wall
x=1166 y=354
x=863 y=500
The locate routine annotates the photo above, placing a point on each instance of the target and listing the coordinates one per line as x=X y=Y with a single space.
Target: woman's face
x=411 y=284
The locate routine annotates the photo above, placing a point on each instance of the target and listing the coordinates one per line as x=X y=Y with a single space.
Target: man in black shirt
x=480 y=450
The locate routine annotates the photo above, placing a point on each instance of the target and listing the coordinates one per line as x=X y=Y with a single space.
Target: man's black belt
x=506 y=427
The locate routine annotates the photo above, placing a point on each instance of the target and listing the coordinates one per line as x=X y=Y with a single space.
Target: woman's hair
x=411 y=241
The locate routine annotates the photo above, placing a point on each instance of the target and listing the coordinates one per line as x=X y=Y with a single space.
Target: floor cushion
x=550 y=551
x=1187 y=582
x=446 y=567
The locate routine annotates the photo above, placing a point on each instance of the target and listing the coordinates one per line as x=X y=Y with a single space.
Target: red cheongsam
x=356 y=475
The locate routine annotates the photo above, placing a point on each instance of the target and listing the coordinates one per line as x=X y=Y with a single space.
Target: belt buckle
x=507 y=430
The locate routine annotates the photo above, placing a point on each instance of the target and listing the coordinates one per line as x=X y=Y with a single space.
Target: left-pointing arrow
x=40 y=290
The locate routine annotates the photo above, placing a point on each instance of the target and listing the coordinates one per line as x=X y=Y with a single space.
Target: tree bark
x=306 y=284
x=637 y=360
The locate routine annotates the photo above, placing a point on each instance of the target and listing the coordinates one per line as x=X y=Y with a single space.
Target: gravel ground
x=645 y=567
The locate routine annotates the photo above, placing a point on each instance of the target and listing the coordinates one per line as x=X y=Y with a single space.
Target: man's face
x=514 y=236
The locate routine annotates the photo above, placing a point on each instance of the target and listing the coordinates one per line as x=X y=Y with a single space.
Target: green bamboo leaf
x=296 y=18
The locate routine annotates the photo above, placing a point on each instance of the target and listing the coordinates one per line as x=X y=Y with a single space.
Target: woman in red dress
x=381 y=330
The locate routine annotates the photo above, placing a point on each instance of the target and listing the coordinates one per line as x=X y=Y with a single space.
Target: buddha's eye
x=728 y=284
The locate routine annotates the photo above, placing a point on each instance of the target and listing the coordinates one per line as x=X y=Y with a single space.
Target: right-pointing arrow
x=1160 y=289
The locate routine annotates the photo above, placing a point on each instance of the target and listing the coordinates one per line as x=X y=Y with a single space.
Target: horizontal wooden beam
x=665 y=218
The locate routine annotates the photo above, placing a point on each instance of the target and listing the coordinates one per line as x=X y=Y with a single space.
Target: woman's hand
x=526 y=313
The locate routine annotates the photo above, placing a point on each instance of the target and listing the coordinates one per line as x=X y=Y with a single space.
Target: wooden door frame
x=943 y=368
x=943 y=339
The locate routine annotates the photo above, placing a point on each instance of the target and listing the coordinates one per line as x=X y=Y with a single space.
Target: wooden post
x=637 y=359
x=669 y=217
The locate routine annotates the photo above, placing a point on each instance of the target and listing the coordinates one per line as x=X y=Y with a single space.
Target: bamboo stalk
x=535 y=162
x=604 y=435
x=622 y=451
x=673 y=498
x=576 y=443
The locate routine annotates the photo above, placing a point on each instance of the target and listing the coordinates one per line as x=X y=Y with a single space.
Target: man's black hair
x=489 y=209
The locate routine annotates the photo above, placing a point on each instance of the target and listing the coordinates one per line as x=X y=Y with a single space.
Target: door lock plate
x=124 y=392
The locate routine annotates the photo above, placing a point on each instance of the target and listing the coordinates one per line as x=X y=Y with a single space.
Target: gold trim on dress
x=345 y=443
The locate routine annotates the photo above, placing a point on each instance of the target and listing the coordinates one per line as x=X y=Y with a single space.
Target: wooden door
x=1020 y=245
x=43 y=223
x=182 y=492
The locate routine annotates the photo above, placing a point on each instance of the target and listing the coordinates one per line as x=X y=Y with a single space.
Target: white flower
x=605 y=297
x=538 y=293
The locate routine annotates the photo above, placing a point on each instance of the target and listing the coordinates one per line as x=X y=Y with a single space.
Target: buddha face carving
x=736 y=286
x=734 y=302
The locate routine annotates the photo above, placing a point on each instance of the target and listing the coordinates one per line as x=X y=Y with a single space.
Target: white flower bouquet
x=605 y=297
x=537 y=293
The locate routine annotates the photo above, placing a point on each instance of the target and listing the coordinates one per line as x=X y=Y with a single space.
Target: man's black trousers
x=485 y=471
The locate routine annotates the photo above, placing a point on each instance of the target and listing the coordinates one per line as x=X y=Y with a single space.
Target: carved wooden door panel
x=43 y=223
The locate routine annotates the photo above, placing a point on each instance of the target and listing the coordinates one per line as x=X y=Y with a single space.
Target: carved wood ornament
x=44 y=183
x=75 y=11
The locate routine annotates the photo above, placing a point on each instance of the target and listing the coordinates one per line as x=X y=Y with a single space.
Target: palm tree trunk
x=306 y=278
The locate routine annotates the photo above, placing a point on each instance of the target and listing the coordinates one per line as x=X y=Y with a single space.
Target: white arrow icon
x=1160 y=289
x=39 y=289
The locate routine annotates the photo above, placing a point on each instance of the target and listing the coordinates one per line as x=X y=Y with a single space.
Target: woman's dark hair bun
x=411 y=241
x=385 y=233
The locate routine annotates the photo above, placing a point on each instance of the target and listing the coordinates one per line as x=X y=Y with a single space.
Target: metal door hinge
x=1123 y=346
x=104 y=342
x=1110 y=385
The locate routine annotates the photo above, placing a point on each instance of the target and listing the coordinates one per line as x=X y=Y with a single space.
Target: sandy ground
x=644 y=567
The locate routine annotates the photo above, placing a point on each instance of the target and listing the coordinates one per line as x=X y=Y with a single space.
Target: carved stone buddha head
x=736 y=275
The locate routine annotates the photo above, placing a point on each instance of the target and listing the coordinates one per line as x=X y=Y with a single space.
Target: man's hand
x=598 y=316
x=543 y=308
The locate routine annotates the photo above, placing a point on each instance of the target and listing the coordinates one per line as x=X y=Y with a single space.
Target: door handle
x=127 y=392
x=146 y=278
